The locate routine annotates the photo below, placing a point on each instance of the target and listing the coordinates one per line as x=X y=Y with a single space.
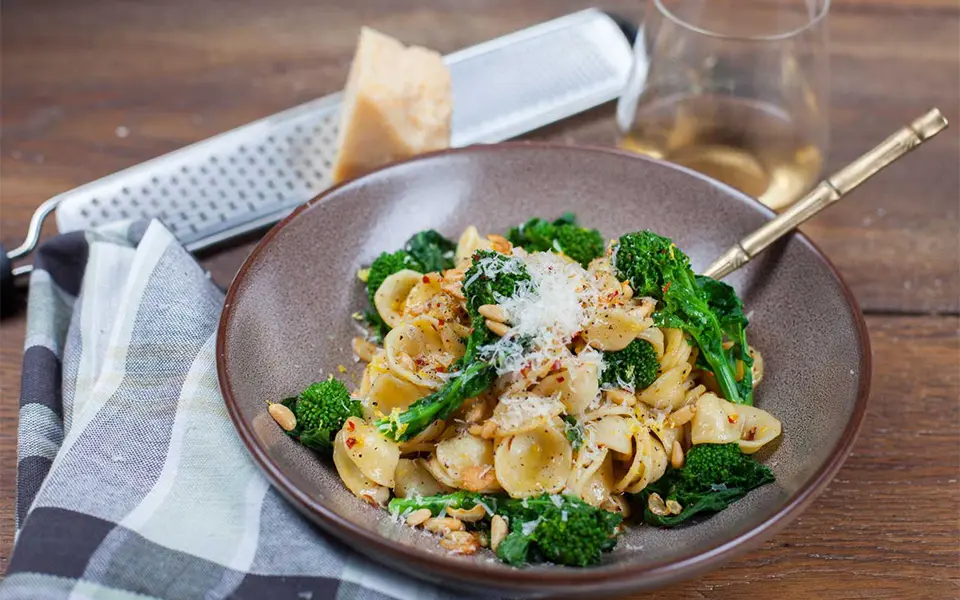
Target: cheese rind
x=398 y=103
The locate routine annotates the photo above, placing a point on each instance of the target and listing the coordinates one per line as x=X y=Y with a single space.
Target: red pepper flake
x=441 y=322
x=752 y=434
x=350 y=426
x=351 y=442
x=441 y=369
x=561 y=379
x=426 y=279
x=666 y=288
x=733 y=418
x=556 y=365
x=525 y=370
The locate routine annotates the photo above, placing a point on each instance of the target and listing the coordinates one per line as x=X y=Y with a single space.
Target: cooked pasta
x=513 y=384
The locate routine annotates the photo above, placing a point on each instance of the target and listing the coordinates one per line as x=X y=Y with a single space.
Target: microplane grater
x=254 y=175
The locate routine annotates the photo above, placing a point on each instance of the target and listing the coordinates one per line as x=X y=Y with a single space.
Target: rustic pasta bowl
x=286 y=323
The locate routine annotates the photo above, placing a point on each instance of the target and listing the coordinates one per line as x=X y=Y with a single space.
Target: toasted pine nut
x=682 y=415
x=500 y=244
x=676 y=455
x=626 y=290
x=497 y=328
x=454 y=289
x=621 y=397
x=494 y=312
x=482 y=538
x=461 y=542
x=468 y=515
x=283 y=416
x=674 y=507
x=443 y=524
x=364 y=349
x=498 y=531
x=476 y=430
x=657 y=506
x=417 y=517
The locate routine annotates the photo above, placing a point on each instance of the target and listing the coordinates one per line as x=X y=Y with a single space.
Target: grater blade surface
x=256 y=174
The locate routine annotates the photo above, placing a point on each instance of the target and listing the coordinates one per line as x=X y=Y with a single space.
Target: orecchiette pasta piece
x=598 y=488
x=720 y=422
x=439 y=473
x=452 y=341
x=578 y=386
x=654 y=335
x=358 y=483
x=413 y=479
x=669 y=390
x=415 y=351
x=470 y=241
x=373 y=454
x=615 y=433
x=612 y=329
x=648 y=465
x=386 y=392
x=524 y=411
x=468 y=460
x=423 y=441
x=391 y=297
x=534 y=462
x=676 y=350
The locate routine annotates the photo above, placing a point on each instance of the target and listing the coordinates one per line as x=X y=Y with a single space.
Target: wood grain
x=175 y=72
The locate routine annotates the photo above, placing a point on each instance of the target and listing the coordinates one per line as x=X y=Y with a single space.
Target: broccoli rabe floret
x=560 y=529
x=562 y=235
x=434 y=252
x=321 y=410
x=714 y=476
x=633 y=368
x=655 y=267
x=491 y=276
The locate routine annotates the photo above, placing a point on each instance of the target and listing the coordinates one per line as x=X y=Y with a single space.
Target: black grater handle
x=8 y=291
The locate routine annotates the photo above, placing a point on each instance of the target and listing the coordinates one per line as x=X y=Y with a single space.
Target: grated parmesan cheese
x=514 y=412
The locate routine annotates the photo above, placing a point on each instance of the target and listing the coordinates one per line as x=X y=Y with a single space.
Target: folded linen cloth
x=132 y=482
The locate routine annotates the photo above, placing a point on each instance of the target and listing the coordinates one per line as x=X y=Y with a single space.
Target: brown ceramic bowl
x=287 y=323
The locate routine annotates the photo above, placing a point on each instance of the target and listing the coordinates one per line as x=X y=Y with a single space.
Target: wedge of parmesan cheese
x=398 y=103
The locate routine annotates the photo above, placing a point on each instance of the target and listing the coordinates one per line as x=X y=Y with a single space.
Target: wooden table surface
x=174 y=72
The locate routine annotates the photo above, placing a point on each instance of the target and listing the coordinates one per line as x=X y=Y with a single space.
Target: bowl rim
x=567 y=580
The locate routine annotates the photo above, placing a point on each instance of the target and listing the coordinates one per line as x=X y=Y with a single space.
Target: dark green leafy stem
x=656 y=268
x=321 y=409
x=433 y=251
x=561 y=235
x=725 y=303
x=492 y=275
x=714 y=476
x=549 y=528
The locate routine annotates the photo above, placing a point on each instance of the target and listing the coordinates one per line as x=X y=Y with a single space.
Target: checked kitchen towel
x=131 y=480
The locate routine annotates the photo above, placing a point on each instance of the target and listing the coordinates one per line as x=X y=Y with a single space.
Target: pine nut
x=443 y=524
x=283 y=416
x=476 y=430
x=493 y=312
x=500 y=244
x=417 y=517
x=674 y=507
x=622 y=397
x=676 y=455
x=626 y=290
x=657 y=506
x=682 y=415
x=363 y=349
x=498 y=531
x=489 y=430
x=468 y=515
x=497 y=328
x=461 y=542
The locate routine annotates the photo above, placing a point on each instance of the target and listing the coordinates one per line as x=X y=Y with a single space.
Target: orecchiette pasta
x=507 y=391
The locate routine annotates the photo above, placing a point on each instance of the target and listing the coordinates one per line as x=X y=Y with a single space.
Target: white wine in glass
x=741 y=103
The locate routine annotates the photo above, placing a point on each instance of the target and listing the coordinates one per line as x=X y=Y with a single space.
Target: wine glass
x=736 y=90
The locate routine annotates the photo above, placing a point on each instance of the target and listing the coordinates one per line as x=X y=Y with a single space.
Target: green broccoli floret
x=562 y=235
x=560 y=529
x=433 y=251
x=714 y=476
x=321 y=410
x=386 y=265
x=491 y=276
x=633 y=368
x=655 y=267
